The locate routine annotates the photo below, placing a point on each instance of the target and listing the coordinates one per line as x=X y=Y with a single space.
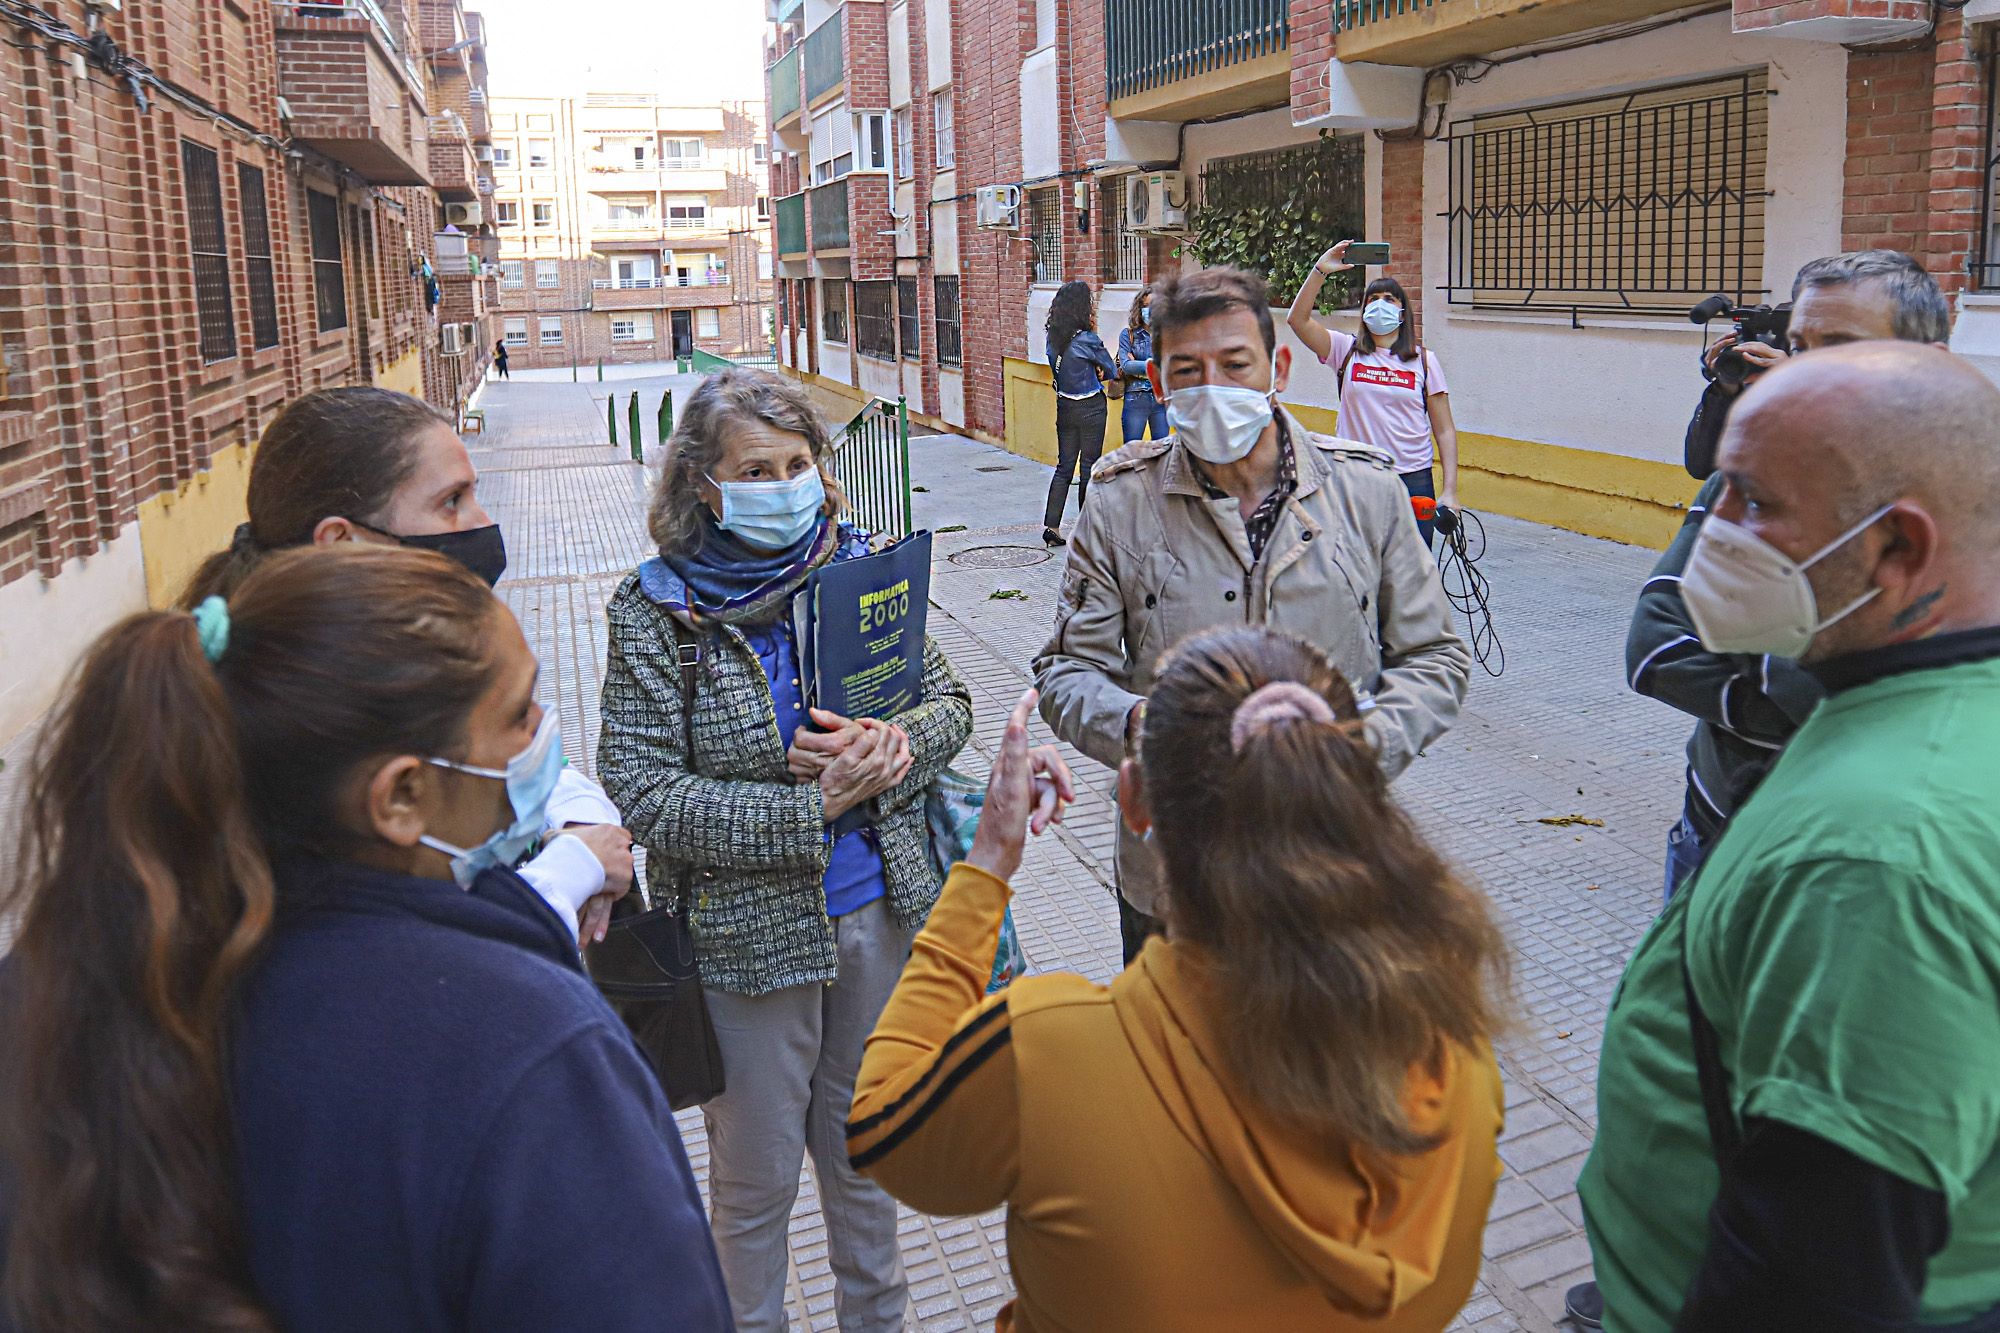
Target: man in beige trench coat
x=1241 y=516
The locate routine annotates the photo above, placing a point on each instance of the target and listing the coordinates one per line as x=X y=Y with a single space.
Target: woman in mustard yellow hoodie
x=1280 y=1117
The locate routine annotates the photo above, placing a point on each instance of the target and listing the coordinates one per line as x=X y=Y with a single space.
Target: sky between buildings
x=690 y=52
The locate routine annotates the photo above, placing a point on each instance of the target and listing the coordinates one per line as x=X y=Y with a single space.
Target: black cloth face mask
x=481 y=550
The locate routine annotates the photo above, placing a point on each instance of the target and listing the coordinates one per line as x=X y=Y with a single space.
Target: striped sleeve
x=935 y=1118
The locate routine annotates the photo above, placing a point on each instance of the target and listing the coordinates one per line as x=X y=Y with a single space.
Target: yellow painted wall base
x=1031 y=413
x=405 y=375
x=180 y=529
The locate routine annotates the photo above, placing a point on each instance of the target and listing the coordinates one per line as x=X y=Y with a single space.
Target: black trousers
x=1079 y=438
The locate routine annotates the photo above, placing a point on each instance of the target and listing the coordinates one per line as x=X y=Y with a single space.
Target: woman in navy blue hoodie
x=286 y=1046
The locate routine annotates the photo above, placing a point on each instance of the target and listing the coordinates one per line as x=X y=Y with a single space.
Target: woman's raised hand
x=1028 y=791
x=1335 y=259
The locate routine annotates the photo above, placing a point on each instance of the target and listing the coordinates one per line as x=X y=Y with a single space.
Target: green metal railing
x=826 y=60
x=871 y=460
x=1348 y=14
x=784 y=76
x=829 y=215
x=1149 y=43
x=783 y=11
x=792 y=224
x=707 y=363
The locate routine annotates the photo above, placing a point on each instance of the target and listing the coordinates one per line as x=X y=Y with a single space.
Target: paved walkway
x=1557 y=735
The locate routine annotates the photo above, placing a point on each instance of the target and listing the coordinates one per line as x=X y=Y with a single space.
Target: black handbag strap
x=689 y=653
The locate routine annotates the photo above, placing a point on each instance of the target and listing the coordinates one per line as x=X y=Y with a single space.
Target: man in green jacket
x=1798 y=1098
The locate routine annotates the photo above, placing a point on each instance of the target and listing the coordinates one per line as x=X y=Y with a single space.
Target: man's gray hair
x=1922 y=316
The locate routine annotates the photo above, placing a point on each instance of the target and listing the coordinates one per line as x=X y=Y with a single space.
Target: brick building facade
x=630 y=229
x=205 y=210
x=1780 y=130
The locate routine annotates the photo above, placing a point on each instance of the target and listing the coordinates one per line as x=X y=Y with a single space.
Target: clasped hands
x=852 y=759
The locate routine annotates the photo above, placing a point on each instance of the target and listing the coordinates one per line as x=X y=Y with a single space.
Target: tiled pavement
x=1557 y=735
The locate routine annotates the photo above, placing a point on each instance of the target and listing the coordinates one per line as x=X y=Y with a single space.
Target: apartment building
x=630 y=229
x=206 y=210
x=1559 y=183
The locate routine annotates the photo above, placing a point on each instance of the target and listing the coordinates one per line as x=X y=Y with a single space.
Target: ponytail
x=1323 y=918
x=169 y=780
x=116 y=1114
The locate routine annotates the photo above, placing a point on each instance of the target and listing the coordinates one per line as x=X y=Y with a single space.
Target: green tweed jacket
x=754 y=839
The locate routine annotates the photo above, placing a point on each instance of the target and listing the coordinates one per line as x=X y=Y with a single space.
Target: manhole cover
x=999 y=557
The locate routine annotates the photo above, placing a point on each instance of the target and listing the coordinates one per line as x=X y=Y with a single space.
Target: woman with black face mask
x=371 y=465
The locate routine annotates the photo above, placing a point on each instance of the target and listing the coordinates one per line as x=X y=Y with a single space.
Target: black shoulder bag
x=645 y=966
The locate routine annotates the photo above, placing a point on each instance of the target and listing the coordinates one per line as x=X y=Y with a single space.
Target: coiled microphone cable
x=1466 y=585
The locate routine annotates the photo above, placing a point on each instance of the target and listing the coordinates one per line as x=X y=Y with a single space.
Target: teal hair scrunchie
x=211 y=622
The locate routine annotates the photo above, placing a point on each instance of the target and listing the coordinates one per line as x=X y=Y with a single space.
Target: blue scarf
x=727 y=581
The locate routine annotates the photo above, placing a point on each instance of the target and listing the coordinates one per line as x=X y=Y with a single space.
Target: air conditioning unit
x=1156 y=201
x=483 y=152
x=451 y=339
x=464 y=215
x=998 y=206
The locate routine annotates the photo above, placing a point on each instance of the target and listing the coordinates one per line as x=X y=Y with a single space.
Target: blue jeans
x=1683 y=855
x=1141 y=411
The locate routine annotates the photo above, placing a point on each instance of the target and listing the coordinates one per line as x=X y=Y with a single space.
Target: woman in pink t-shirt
x=1392 y=392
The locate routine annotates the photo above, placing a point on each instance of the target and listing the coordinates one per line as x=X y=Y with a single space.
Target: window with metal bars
x=833 y=310
x=1121 y=253
x=1986 y=263
x=948 y=348
x=1045 y=228
x=329 y=273
x=875 y=319
x=909 y=322
x=1642 y=201
x=201 y=174
x=257 y=256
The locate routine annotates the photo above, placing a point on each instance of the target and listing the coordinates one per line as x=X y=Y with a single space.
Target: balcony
x=1431 y=32
x=454 y=173
x=1180 y=59
x=829 y=215
x=355 y=94
x=609 y=175
x=825 y=59
x=673 y=293
x=792 y=225
x=784 y=87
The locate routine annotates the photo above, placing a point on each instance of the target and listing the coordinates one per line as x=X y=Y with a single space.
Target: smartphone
x=1368 y=252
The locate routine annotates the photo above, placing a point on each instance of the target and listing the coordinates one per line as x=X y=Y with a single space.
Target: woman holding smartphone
x=1392 y=391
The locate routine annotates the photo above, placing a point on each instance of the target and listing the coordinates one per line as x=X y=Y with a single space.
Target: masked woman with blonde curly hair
x=1283 y=1114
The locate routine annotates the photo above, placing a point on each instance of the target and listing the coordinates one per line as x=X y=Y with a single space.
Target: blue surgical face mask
x=1147 y=316
x=1382 y=316
x=531 y=777
x=772 y=515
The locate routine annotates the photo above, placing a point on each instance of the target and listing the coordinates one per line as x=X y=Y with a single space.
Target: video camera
x=1767 y=324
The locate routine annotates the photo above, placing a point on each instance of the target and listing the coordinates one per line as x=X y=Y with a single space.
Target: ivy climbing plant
x=1274 y=213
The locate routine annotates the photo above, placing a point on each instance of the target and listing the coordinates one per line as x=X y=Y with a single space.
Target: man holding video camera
x=1747 y=706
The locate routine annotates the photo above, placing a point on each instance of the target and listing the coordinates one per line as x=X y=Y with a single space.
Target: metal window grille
x=1045 y=227
x=257 y=256
x=948 y=348
x=833 y=310
x=551 y=333
x=908 y=320
x=201 y=173
x=1122 y=253
x=1986 y=263
x=1643 y=201
x=329 y=274
x=548 y=273
x=515 y=332
x=875 y=319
